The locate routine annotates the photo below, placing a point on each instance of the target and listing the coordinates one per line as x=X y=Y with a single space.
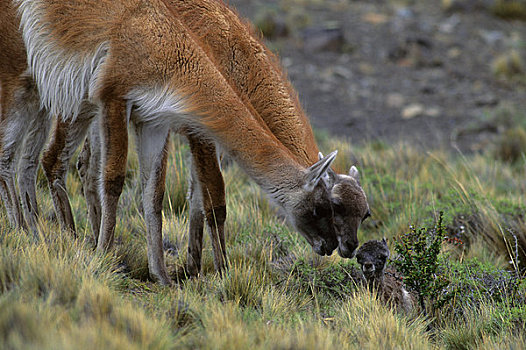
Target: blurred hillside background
x=437 y=74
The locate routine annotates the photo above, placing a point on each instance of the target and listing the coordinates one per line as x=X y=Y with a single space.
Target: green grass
x=57 y=293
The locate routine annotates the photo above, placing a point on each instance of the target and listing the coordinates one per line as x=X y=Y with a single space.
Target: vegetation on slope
x=57 y=293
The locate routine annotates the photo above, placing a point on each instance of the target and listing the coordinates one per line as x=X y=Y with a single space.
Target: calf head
x=350 y=208
x=372 y=256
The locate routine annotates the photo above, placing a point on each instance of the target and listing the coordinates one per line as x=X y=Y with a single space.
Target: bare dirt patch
x=389 y=71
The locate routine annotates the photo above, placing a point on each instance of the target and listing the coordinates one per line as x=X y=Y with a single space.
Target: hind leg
x=66 y=137
x=20 y=106
x=9 y=144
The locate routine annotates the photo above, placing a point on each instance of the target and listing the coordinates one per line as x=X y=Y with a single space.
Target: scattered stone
x=454 y=52
x=414 y=52
x=405 y=13
x=395 y=100
x=487 y=100
x=375 y=18
x=286 y=62
x=413 y=110
x=449 y=25
x=323 y=39
x=492 y=37
x=343 y=72
x=432 y=112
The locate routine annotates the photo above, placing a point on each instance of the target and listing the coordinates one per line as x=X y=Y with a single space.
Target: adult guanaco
x=140 y=61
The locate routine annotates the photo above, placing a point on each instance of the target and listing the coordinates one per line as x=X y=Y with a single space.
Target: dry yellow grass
x=56 y=293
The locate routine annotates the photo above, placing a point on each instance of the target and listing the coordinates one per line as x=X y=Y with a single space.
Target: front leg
x=114 y=137
x=207 y=200
x=88 y=166
x=152 y=143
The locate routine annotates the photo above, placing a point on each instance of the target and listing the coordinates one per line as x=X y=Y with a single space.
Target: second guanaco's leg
x=88 y=166
x=20 y=109
x=65 y=139
x=34 y=141
x=207 y=200
x=152 y=145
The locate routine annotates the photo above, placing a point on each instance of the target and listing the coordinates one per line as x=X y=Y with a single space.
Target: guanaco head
x=372 y=255
x=310 y=210
x=350 y=208
x=330 y=208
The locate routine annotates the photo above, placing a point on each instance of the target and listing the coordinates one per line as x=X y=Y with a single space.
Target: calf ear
x=319 y=170
x=354 y=173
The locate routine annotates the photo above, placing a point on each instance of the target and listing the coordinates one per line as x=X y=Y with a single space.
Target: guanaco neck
x=252 y=70
x=257 y=151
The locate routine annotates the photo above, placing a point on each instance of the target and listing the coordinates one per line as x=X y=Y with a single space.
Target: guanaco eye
x=368 y=214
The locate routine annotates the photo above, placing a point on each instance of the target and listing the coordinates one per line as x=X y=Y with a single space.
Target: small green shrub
x=420 y=265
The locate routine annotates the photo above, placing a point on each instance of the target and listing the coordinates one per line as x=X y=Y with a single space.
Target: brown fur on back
x=253 y=72
x=143 y=31
x=12 y=53
x=81 y=24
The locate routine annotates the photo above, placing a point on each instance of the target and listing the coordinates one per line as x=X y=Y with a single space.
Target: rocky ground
x=421 y=72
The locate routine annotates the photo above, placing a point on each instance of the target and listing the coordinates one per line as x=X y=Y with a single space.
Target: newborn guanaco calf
x=372 y=256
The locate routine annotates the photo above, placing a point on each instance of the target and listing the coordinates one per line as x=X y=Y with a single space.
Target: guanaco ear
x=319 y=170
x=330 y=176
x=354 y=173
